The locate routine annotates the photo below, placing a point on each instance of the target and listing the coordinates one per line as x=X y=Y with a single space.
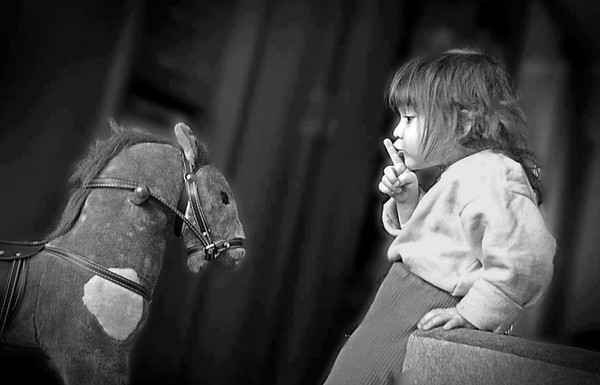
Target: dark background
x=289 y=95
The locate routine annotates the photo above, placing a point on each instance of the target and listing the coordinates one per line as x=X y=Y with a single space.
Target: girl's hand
x=447 y=317
x=398 y=181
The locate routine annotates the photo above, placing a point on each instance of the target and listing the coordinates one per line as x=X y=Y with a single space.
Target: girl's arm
x=517 y=254
x=406 y=209
x=390 y=218
x=516 y=258
x=396 y=214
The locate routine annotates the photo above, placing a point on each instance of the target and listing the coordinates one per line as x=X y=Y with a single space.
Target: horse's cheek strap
x=181 y=207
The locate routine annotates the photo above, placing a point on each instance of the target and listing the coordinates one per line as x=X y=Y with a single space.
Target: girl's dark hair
x=467 y=99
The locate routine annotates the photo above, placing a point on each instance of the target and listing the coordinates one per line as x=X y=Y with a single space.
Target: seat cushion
x=466 y=356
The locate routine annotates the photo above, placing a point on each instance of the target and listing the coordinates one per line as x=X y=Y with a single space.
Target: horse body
x=85 y=324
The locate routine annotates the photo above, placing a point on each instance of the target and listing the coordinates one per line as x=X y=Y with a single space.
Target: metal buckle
x=211 y=251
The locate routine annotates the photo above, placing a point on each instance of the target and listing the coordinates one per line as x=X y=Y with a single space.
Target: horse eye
x=224 y=197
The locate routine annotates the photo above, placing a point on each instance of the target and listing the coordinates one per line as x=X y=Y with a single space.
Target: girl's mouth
x=399 y=151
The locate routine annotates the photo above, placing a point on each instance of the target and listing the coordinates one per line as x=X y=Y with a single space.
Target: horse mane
x=100 y=154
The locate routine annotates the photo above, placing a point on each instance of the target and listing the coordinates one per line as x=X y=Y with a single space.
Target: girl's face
x=408 y=135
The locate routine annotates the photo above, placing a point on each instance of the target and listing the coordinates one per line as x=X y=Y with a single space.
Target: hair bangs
x=415 y=86
x=407 y=89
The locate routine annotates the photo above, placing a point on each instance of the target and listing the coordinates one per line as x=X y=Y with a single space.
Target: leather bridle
x=141 y=194
x=189 y=195
x=15 y=251
x=18 y=253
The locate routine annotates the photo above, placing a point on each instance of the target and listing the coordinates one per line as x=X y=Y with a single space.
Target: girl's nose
x=398 y=131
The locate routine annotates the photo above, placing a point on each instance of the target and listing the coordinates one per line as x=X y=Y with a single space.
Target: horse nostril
x=224 y=197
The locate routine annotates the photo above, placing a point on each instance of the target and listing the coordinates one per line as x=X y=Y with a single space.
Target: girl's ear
x=465 y=122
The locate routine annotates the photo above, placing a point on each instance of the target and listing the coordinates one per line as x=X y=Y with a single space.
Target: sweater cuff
x=488 y=308
x=390 y=219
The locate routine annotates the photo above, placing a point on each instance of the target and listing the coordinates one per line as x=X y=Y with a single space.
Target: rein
x=18 y=252
x=141 y=194
x=189 y=195
x=211 y=249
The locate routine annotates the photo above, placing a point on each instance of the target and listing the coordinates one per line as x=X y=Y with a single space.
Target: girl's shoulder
x=487 y=161
x=488 y=171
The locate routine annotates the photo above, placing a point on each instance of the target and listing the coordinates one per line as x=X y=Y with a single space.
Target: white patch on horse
x=118 y=310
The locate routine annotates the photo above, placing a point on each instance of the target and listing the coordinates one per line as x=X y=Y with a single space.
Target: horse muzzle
x=228 y=253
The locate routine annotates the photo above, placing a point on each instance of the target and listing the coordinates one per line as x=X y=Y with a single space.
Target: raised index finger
x=392 y=151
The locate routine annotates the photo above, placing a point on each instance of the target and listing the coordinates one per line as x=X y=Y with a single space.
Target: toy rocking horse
x=82 y=296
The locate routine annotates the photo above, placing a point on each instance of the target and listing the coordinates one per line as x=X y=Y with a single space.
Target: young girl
x=473 y=251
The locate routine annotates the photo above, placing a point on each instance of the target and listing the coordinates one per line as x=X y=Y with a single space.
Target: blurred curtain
x=300 y=124
x=561 y=73
x=298 y=117
x=61 y=69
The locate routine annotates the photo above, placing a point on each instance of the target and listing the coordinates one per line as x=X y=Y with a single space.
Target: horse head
x=218 y=208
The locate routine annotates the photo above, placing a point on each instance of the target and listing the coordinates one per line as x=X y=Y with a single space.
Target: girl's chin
x=410 y=164
x=414 y=166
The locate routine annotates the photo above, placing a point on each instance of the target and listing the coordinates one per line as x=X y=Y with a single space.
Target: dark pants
x=374 y=353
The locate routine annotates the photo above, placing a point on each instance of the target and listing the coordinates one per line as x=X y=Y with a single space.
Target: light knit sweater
x=478 y=234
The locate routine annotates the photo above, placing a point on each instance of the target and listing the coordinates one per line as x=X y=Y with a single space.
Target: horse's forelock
x=103 y=151
x=99 y=155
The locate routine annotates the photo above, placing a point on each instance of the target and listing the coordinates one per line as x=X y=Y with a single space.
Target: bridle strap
x=210 y=248
x=192 y=193
x=181 y=206
x=129 y=185
x=233 y=243
x=189 y=194
x=202 y=232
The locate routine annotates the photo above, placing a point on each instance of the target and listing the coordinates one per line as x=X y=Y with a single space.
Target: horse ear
x=188 y=142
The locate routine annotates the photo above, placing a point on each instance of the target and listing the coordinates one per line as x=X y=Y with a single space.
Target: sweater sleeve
x=391 y=217
x=391 y=222
x=516 y=253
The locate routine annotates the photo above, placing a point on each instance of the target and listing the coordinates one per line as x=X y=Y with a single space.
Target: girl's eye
x=224 y=197
x=409 y=118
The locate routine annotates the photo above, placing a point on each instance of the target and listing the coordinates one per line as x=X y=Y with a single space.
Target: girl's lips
x=397 y=146
x=399 y=150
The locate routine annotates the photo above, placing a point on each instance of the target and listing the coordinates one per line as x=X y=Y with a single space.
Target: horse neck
x=116 y=233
